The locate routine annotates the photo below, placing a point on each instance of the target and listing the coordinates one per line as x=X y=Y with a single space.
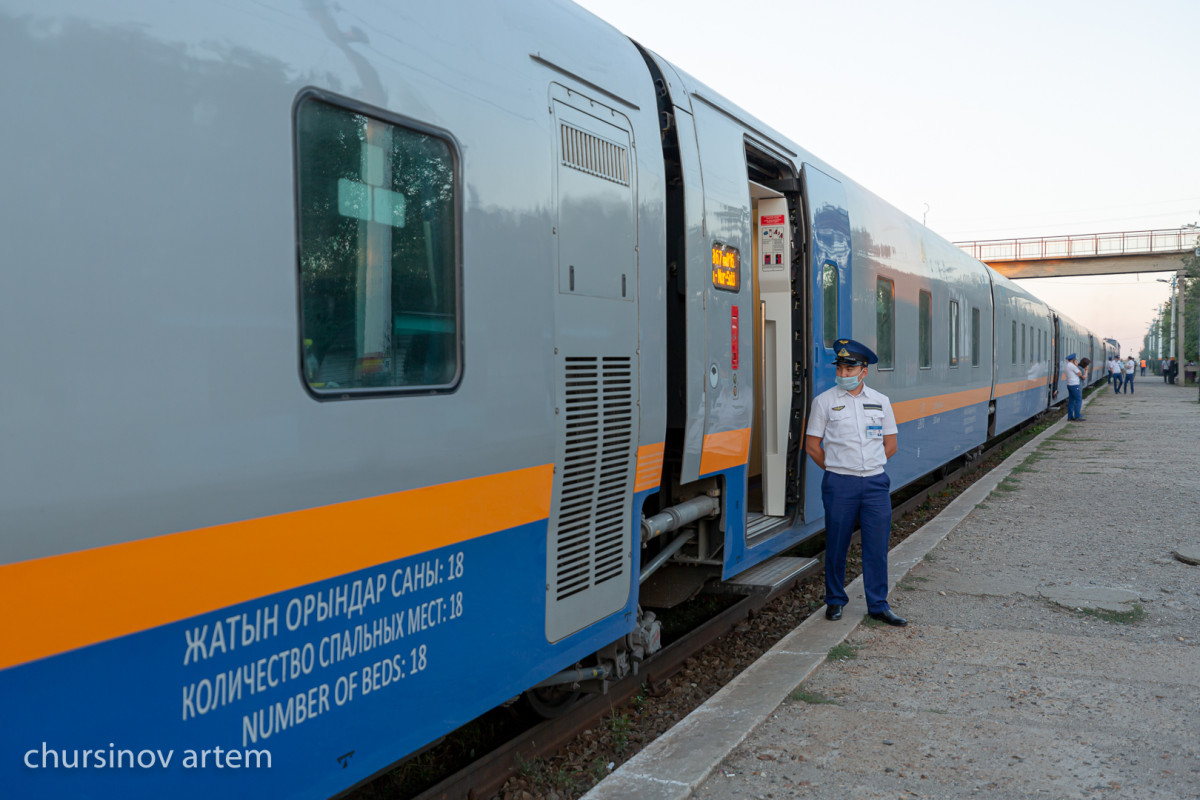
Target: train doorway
x=772 y=337
x=1056 y=360
x=779 y=347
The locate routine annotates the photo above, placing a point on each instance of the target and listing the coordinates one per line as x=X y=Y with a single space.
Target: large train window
x=925 y=330
x=1014 y=342
x=1023 y=337
x=954 y=333
x=829 y=295
x=378 y=230
x=974 y=337
x=885 y=323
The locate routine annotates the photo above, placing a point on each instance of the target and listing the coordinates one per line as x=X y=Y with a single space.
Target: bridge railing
x=1089 y=245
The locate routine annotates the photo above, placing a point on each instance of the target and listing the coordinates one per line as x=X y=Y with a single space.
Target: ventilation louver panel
x=599 y=425
x=589 y=153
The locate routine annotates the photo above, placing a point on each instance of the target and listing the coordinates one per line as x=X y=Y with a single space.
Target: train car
x=370 y=366
x=1074 y=338
x=1024 y=341
x=346 y=349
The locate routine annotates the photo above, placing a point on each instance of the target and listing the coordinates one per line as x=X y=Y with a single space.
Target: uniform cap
x=1071 y=357
x=848 y=351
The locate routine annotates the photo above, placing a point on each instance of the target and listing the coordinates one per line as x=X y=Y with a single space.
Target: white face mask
x=849 y=382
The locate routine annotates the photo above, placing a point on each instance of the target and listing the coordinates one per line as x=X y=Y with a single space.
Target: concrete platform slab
x=999 y=687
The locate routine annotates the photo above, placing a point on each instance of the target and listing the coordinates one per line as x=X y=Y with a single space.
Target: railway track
x=484 y=777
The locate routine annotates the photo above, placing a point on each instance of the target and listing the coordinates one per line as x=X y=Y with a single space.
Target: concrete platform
x=1053 y=645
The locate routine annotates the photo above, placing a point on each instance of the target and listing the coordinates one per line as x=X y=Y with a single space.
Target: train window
x=829 y=293
x=1014 y=342
x=925 y=330
x=1022 y=342
x=378 y=222
x=954 y=333
x=885 y=323
x=974 y=337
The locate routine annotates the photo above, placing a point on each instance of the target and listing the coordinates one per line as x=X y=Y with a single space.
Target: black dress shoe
x=833 y=612
x=890 y=618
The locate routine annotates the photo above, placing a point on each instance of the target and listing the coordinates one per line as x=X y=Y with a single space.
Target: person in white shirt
x=851 y=434
x=1129 y=365
x=1074 y=390
x=1114 y=373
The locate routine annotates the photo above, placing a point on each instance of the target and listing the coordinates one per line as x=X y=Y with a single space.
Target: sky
x=985 y=120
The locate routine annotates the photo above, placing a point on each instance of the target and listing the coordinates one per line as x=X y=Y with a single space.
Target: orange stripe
x=1004 y=389
x=124 y=588
x=724 y=450
x=649 y=466
x=909 y=410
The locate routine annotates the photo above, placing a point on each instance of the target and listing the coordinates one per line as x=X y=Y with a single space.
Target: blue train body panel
x=318 y=700
x=1013 y=409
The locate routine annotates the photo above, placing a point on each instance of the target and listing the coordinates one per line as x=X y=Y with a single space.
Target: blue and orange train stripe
x=63 y=602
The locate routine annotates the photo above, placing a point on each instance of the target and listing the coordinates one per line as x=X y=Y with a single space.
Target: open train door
x=779 y=324
x=1057 y=362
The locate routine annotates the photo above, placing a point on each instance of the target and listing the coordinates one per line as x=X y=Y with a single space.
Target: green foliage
x=842 y=652
x=620 y=725
x=1161 y=329
x=909 y=582
x=802 y=695
x=1135 y=614
x=527 y=768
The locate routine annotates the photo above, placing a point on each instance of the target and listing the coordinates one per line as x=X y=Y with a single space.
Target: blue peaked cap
x=848 y=351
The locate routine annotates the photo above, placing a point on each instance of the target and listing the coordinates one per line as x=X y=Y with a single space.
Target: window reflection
x=885 y=326
x=378 y=277
x=829 y=291
x=925 y=330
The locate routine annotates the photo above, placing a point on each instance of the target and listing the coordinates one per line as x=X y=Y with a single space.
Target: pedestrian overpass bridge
x=1087 y=254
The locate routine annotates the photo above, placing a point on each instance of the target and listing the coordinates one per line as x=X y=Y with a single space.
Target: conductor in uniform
x=851 y=435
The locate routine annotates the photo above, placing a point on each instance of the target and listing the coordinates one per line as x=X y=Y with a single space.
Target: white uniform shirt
x=1073 y=374
x=1129 y=367
x=852 y=429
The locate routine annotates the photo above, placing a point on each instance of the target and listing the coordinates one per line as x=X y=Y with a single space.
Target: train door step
x=760 y=524
x=773 y=573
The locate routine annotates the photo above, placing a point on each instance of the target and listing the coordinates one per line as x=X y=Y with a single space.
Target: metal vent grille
x=599 y=442
x=589 y=153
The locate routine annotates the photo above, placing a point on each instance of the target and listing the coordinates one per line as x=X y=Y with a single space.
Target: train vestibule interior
x=779 y=331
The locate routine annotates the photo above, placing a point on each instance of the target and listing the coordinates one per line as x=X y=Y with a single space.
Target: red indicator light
x=733 y=336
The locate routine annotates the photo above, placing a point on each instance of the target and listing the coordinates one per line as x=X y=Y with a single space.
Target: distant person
x=1114 y=374
x=1074 y=390
x=1143 y=367
x=851 y=435
x=1129 y=366
x=1174 y=369
x=1166 y=370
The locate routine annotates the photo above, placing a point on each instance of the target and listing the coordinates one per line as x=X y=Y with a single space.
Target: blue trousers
x=1074 y=402
x=865 y=503
x=1116 y=382
x=1129 y=382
